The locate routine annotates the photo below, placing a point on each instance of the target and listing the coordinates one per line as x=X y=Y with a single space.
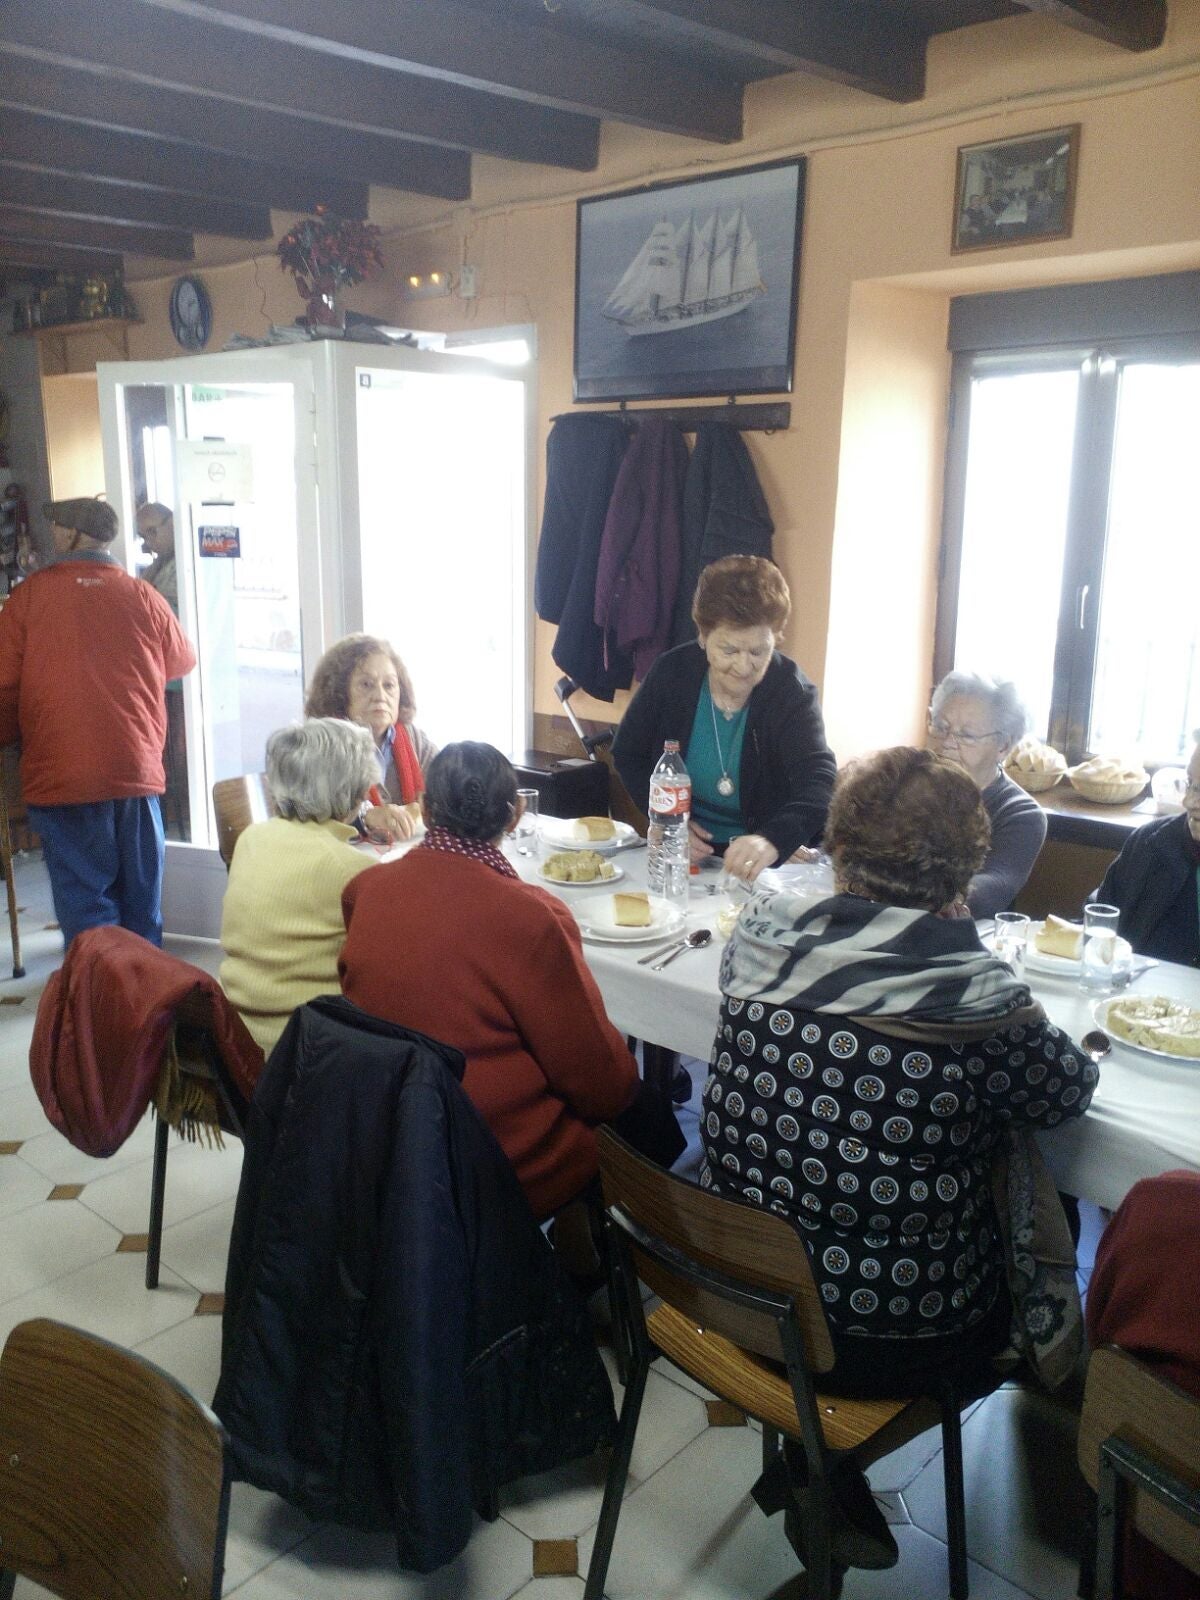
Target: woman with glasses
x=1155 y=882
x=747 y=720
x=976 y=721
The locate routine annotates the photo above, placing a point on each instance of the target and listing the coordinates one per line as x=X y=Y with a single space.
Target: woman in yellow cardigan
x=281 y=924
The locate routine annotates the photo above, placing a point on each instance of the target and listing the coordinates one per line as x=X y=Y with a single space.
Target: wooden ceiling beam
x=57 y=257
x=36 y=227
x=838 y=39
x=95 y=200
x=207 y=124
x=54 y=144
x=1130 y=24
x=183 y=52
x=498 y=53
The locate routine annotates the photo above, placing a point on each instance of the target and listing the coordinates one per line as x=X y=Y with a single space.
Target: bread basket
x=1107 y=791
x=1034 y=782
x=1034 y=766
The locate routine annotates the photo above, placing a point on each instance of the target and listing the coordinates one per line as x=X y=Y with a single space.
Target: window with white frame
x=1071 y=549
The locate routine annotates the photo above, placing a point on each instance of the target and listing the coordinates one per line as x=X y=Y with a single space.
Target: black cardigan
x=787 y=769
x=1145 y=882
x=399 y=1339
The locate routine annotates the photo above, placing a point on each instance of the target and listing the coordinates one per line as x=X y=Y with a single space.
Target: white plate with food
x=578 y=869
x=1152 y=1024
x=634 y=918
x=601 y=834
x=1058 y=939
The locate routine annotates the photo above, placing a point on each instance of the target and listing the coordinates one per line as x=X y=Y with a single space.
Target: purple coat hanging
x=638 y=572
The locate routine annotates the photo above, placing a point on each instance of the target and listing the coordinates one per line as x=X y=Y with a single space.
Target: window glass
x=1146 y=687
x=1014 y=529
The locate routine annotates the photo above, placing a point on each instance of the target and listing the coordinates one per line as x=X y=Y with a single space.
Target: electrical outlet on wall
x=467 y=283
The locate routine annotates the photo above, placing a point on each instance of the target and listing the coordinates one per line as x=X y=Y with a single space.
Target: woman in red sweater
x=448 y=940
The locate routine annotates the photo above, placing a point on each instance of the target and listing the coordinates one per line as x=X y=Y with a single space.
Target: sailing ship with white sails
x=683 y=276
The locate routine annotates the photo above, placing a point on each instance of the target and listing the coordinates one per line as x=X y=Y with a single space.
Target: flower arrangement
x=324 y=252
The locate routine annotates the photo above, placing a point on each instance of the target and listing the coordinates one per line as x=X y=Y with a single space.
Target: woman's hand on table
x=699 y=843
x=955 y=909
x=746 y=856
x=390 y=824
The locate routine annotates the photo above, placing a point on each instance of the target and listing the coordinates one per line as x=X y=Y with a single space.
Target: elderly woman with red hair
x=746 y=718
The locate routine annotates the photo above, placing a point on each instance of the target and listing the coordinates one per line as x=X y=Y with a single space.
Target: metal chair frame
x=636 y=1350
x=1124 y=1467
x=231 y=1122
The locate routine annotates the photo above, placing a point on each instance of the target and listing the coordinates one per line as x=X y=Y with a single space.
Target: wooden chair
x=238 y=802
x=1139 y=1449
x=741 y=1313
x=200 y=1058
x=114 y=1481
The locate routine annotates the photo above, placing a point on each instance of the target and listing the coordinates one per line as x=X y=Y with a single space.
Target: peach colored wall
x=876 y=277
x=884 y=558
x=71 y=407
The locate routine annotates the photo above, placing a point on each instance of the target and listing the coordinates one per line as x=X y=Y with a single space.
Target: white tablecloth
x=1144 y=1119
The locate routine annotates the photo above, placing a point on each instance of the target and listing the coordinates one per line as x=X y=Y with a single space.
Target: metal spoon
x=694 y=941
x=1096 y=1043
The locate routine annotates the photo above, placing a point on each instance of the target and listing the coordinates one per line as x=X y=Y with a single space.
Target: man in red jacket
x=85 y=655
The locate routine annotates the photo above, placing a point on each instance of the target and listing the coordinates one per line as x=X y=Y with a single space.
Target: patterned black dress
x=880 y=1150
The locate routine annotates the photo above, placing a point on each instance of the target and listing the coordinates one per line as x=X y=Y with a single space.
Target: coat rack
x=772 y=416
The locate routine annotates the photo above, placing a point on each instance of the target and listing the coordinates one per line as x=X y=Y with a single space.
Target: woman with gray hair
x=976 y=721
x=281 y=924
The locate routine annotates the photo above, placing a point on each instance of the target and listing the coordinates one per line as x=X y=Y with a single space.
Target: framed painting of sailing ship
x=689 y=288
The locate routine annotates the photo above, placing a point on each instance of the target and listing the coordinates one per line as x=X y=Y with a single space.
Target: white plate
x=559 y=834
x=587 y=883
x=597 y=922
x=1100 y=1013
x=1058 y=966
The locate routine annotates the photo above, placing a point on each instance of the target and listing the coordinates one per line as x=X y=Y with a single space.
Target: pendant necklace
x=725 y=784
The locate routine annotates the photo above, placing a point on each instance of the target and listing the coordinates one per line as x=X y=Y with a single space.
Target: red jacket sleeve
x=562 y=1019
x=12 y=656
x=177 y=653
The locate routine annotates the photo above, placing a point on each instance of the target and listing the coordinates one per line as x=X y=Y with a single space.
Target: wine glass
x=525 y=831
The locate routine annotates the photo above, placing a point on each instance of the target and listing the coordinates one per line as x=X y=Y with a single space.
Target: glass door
x=219 y=461
x=443 y=538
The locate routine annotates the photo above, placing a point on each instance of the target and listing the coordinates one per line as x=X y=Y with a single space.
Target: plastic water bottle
x=667 y=836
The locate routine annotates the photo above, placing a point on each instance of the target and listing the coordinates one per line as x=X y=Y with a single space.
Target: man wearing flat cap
x=85 y=655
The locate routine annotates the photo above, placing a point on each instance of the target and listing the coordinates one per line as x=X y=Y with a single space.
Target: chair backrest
x=730 y=1237
x=238 y=802
x=1124 y=1396
x=114 y=1482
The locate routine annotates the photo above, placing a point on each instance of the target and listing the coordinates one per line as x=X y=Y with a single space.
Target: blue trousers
x=105 y=862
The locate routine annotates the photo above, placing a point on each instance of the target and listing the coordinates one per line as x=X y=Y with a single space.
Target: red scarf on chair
x=408 y=769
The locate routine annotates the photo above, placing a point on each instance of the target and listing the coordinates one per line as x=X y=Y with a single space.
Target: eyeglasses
x=966 y=741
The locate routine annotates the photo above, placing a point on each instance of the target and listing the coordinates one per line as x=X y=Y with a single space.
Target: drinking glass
x=1010 y=939
x=1098 y=960
x=525 y=831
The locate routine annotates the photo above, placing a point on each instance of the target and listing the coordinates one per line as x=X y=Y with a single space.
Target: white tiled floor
x=688 y=1528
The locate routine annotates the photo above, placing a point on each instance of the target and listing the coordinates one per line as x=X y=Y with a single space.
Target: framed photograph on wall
x=1015 y=191
x=689 y=288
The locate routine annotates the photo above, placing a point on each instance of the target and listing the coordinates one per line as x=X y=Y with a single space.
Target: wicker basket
x=1034 y=782
x=1108 y=791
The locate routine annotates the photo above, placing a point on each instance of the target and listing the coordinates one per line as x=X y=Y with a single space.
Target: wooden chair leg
x=158 y=1186
x=618 y=1472
x=956 y=1505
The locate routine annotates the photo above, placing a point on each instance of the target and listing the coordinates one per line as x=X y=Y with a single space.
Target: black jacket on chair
x=399 y=1339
